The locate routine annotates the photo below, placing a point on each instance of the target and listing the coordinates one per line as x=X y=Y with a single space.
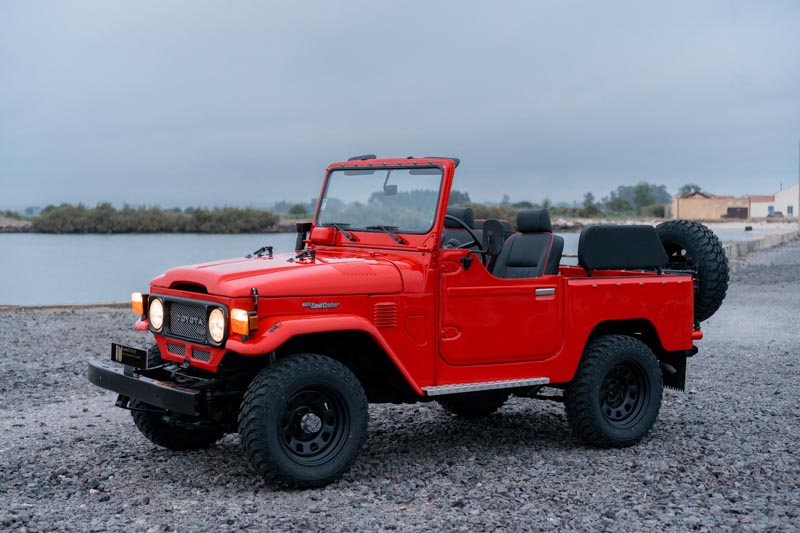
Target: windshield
x=403 y=200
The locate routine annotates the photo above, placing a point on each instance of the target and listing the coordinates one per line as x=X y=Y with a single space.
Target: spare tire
x=692 y=246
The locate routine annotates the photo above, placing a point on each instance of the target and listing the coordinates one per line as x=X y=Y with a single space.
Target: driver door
x=486 y=320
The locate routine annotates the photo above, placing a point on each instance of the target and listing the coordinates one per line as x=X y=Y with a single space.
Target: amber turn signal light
x=137 y=303
x=243 y=322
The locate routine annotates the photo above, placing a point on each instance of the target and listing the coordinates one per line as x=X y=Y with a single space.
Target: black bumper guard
x=161 y=394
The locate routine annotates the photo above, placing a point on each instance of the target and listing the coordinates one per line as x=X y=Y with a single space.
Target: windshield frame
x=410 y=166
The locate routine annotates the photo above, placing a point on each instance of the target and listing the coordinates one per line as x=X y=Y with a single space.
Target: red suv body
x=416 y=305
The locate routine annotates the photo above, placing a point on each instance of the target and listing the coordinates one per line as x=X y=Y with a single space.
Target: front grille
x=187 y=321
x=201 y=355
x=176 y=349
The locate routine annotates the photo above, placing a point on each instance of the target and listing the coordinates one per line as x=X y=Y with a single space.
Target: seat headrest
x=466 y=214
x=534 y=221
x=605 y=247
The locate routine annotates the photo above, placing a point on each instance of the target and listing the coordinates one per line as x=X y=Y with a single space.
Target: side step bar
x=439 y=390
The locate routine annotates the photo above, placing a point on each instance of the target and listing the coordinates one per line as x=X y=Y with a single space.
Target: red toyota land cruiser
x=392 y=297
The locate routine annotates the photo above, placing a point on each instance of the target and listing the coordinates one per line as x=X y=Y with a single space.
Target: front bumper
x=161 y=394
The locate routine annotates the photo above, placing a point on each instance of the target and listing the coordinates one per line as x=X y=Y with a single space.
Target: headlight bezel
x=150 y=304
x=223 y=321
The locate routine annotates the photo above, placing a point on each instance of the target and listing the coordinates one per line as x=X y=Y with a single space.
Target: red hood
x=276 y=276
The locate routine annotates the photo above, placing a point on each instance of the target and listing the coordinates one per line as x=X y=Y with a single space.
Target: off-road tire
x=153 y=356
x=591 y=416
x=150 y=421
x=705 y=254
x=474 y=404
x=271 y=433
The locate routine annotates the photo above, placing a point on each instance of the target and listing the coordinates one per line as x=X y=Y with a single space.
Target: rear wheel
x=475 y=404
x=303 y=421
x=692 y=246
x=615 y=396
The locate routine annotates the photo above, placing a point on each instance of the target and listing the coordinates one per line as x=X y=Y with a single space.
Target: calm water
x=38 y=269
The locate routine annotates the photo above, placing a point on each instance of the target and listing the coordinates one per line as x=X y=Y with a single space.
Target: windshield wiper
x=340 y=226
x=388 y=231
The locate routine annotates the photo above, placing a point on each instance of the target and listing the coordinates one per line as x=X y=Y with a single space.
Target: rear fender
x=673 y=363
x=276 y=331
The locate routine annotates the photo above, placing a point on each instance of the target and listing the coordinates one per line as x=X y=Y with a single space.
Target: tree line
x=105 y=218
x=643 y=199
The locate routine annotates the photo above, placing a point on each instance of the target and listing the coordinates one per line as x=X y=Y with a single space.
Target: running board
x=439 y=390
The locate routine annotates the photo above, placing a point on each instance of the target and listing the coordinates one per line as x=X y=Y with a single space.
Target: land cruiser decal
x=322 y=305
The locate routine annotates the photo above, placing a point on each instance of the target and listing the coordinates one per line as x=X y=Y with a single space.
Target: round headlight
x=216 y=325
x=156 y=314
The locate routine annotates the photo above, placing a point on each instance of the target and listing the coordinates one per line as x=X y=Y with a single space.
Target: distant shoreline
x=26 y=226
x=287 y=225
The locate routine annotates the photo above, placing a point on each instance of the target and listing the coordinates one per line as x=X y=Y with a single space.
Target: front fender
x=278 y=330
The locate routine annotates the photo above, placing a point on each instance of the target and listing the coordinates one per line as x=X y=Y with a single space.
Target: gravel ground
x=722 y=456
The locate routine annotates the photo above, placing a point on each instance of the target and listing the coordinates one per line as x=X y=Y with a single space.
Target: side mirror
x=492 y=237
x=390 y=190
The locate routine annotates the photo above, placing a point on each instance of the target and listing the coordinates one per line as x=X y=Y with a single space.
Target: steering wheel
x=476 y=241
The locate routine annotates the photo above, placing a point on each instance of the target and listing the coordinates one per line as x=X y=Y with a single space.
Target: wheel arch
x=377 y=370
x=638 y=328
x=292 y=332
x=673 y=364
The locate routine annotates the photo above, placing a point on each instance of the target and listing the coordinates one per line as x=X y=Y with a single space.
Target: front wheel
x=614 y=398
x=303 y=421
x=175 y=433
x=171 y=433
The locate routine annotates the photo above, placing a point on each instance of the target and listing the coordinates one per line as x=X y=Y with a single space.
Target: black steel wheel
x=303 y=421
x=623 y=398
x=615 y=396
x=313 y=425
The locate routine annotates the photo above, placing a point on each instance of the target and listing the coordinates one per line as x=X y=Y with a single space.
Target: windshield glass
x=403 y=200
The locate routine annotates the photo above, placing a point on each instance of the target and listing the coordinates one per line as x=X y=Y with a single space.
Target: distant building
x=707 y=206
x=761 y=206
x=787 y=201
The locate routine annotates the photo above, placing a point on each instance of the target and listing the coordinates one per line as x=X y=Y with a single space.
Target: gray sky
x=242 y=103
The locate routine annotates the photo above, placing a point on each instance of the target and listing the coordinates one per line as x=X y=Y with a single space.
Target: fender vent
x=385 y=315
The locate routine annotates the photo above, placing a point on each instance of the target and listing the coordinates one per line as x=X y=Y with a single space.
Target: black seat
x=454 y=231
x=608 y=247
x=532 y=252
